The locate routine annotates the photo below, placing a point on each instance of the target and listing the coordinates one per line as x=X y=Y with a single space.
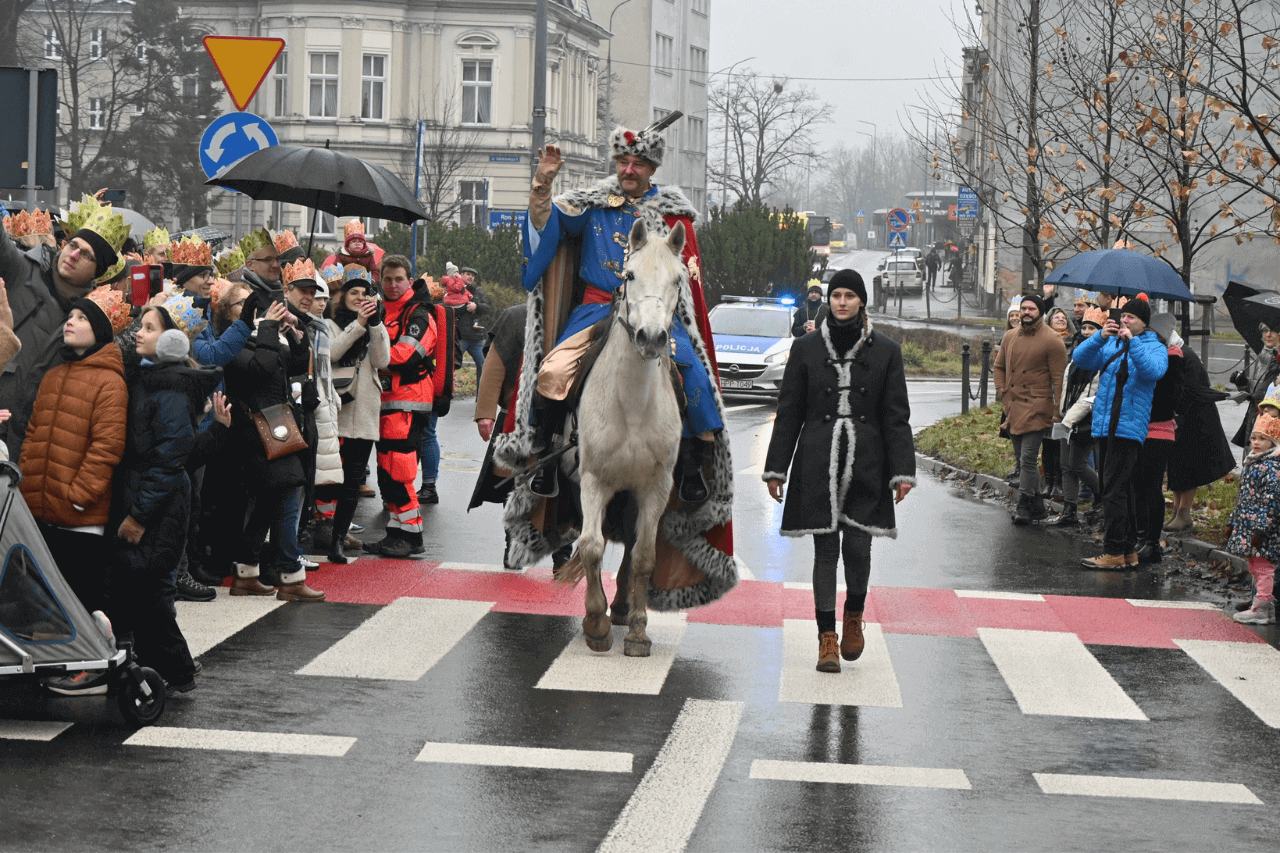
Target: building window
x=280 y=85
x=95 y=113
x=698 y=65
x=325 y=223
x=477 y=91
x=697 y=134
x=96 y=37
x=700 y=6
x=140 y=52
x=52 y=44
x=665 y=48
x=474 y=203
x=672 y=134
x=190 y=87
x=373 y=87
x=324 y=85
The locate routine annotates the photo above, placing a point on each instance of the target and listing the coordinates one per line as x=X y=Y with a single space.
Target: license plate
x=739 y=384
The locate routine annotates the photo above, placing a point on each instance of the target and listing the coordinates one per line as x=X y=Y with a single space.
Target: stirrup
x=693 y=486
x=544 y=483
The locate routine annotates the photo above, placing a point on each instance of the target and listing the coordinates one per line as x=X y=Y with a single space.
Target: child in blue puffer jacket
x=1254 y=528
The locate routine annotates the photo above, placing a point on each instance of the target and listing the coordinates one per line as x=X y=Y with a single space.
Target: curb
x=1195 y=548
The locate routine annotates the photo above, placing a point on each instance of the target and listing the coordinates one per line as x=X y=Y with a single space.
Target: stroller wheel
x=142 y=696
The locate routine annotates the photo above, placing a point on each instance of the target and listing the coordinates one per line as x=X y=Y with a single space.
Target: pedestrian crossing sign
x=898 y=240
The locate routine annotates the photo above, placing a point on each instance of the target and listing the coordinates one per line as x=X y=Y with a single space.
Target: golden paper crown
x=1096 y=316
x=1271 y=400
x=191 y=251
x=113 y=272
x=75 y=220
x=255 y=240
x=355 y=226
x=108 y=225
x=1269 y=426
x=229 y=261
x=113 y=304
x=303 y=270
x=218 y=291
x=189 y=319
x=332 y=274
x=285 y=240
x=25 y=224
x=156 y=237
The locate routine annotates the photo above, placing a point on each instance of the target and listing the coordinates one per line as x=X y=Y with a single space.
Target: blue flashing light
x=787 y=300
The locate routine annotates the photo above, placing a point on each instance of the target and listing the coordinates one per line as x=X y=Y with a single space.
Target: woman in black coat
x=1201 y=453
x=258 y=378
x=843 y=429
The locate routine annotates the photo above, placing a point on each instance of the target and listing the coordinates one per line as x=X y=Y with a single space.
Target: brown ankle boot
x=293 y=587
x=852 y=643
x=250 y=586
x=828 y=652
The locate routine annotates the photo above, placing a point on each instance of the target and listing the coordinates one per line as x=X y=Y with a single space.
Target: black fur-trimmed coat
x=843 y=430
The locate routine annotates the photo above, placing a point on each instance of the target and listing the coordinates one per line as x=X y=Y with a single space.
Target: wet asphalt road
x=1007 y=701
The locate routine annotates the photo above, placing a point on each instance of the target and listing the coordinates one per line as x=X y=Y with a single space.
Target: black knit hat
x=98 y=320
x=849 y=280
x=103 y=254
x=1033 y=297
x=1139 y=308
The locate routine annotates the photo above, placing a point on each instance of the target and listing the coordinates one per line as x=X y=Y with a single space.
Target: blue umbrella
x=1122 y=271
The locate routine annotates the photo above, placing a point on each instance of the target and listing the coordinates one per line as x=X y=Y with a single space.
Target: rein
x=620 y=317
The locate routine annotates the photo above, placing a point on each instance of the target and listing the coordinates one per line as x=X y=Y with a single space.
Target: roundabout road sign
x=232 y=137
x=898 y=219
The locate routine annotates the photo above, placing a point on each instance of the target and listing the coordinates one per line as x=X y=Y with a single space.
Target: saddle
x=600 y=334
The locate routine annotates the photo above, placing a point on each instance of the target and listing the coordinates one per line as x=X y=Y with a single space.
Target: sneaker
x=1261 y=613
x=188 y=588
x=355 y=528
x=84 y=683
x=304 y=563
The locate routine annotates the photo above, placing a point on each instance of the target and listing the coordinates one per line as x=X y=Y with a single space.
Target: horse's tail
x=571 y=572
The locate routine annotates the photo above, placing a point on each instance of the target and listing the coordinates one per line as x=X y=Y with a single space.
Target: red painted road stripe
x=898 y=610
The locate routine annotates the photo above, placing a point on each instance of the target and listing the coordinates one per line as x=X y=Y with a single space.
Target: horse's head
x=653 y=274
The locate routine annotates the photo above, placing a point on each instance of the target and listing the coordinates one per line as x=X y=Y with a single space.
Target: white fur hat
x=647 y=146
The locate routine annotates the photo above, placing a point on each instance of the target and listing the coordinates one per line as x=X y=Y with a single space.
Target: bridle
x=622 y=311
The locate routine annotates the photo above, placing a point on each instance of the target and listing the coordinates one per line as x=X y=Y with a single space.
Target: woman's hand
x=366 y=310
x=900 y=491
x=485 y=425
x=775 y=488
x=221 y=409
x=131 y=531
x=276 y=312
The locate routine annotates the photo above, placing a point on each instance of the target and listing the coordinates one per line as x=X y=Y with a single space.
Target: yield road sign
x=231 y=137
x=243 y=63
x=898 y=219
x=898 y=240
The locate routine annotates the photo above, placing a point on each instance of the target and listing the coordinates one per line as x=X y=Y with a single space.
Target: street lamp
x=724 y=171
x=872 y=134
x=608 y=72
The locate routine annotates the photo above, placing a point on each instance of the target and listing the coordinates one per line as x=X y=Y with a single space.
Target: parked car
x=753 y=340
x=903 y=274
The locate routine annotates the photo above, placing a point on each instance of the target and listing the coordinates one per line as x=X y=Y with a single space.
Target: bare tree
x=448 y=149
x=10 y=14
x=770 y=127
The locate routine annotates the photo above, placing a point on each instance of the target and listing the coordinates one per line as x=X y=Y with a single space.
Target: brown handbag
x=278 y=431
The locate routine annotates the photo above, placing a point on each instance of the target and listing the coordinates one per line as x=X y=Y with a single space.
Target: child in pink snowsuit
x=1254 y=527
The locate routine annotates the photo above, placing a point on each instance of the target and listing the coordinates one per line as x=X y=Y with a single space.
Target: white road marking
x=1004 y=596
x=869 y=680
x=1249 y=671
x=859 y=774
x=278 y=743
x=1054 y=674
x=743 y=407
x=1149 y=789
x=523 y=756
x=205 y=624
x=1172 y=605
x=401 y=641
x=482 y=567
x=32 y=729
x=668 y=802
x=579 y=669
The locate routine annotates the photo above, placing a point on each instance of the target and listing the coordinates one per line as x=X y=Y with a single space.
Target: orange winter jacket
x=75 y=439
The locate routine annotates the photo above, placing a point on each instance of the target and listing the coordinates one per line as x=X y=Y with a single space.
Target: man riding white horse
x=595 y=222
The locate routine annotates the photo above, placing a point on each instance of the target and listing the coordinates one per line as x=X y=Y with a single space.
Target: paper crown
x=285 y=240
x=1272 y=400
x=1096 y=316
x=25 y=224
x=1081 y=298
x=106 y=223
x=355 y=271
x=332 y=274
x=112 y=303
x=218 y=291
x=156 y=237
x=303 y=270
x=186 y=316
x=355 y=226
x=229 y=261
x=1268 y=425
x=75 y=219
x=191 y=251
x=113 y=272
x=647 y=146
x=255 y=240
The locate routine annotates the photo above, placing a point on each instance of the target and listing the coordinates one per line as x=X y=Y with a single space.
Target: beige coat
x=359 y=418
x=1028 y=373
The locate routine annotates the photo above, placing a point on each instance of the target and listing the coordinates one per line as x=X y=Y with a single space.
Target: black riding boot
x=693 y=487
x=548 y=421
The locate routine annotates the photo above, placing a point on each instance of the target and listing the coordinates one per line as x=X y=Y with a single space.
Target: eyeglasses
x=82 y=249
x=274 y=260
x=238 y=304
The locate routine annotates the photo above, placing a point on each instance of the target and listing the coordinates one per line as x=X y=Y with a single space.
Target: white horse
x=629 y=434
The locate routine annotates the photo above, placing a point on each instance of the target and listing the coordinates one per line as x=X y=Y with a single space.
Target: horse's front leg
x=619 y=608
x=643 y=554
x=595 y=625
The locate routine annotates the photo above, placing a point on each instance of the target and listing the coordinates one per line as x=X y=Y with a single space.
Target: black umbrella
x=209 y=233
x=325 y=180
x=1248 y=307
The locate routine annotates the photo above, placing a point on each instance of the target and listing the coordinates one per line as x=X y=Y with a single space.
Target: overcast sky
x=871 y=41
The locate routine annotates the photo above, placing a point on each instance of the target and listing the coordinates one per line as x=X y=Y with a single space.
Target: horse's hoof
x=600 y=644
x=636 y=648
x=619 y=614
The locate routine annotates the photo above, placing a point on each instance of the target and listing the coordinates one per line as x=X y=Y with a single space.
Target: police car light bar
x=769 y=300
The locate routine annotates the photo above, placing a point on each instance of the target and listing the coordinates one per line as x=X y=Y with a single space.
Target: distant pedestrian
x=811 y=312
x=1253 y=530
x=473 y=316
x=931 y=264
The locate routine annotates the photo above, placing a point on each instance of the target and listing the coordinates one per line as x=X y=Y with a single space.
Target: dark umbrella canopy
x=1248 y=307
x=1122 y=271
x=323 y=179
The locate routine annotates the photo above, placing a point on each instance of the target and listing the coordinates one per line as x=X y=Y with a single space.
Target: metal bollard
x=986 y=372
x=964 y=379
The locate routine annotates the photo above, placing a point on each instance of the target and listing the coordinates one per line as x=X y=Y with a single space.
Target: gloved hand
x=254 y=305
x=1240 y=379
x=310 y=397
x=379 y=315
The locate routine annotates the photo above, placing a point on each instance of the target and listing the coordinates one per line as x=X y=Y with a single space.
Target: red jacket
x=407 y=384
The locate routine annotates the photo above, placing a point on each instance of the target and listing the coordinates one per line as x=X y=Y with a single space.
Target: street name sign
x=243 y=63
x=232 y=137
x=898 y=219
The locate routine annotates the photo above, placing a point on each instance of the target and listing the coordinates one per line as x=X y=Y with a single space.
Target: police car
x=753 y=340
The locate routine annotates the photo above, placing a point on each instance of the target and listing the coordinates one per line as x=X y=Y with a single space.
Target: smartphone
x=113 y=197
x=1114 y=314
x=145 y=280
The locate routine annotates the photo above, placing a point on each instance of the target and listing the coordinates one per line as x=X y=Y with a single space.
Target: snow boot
x=1261 y=613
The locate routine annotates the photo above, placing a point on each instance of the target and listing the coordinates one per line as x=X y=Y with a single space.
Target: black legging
x=1148 y=492
x=355 y=458
x=827 y=548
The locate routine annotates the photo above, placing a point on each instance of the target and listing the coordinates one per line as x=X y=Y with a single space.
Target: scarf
x=344 y=317
x=844 y=333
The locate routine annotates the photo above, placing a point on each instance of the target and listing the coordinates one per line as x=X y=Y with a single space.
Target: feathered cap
x=25 y=224
x=229 y=261
x=1268 y=425
x=298 y=272
x=351 y=229
x=186 y=317
x=107 y=310
x=648 y=144
x=1096 y=316
x=156 y=237
x=332 y=274
x=255 y=240
x=191 y=251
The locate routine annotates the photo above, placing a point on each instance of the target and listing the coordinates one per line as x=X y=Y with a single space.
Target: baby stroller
x=45 y=632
